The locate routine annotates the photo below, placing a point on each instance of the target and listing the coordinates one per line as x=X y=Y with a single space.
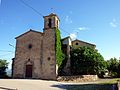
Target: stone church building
x=35 y=55
x=35 y=52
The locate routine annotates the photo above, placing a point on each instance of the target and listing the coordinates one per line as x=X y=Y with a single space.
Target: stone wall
x=78 y=43
x=25 y=54
x=80 y=78
x=49 y=60
x=38 y=50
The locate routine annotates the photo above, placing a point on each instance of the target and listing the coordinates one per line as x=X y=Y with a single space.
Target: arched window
x=76 y=43
x=29 y=46
x=49 y=22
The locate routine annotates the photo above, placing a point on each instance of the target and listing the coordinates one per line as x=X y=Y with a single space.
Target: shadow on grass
x=86 y=86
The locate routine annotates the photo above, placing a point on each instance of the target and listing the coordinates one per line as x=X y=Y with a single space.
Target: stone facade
x=78 y=43
x=35 y=52
x=35 y=55
x=66 y=44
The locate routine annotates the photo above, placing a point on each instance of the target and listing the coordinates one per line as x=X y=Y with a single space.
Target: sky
x=94 y=21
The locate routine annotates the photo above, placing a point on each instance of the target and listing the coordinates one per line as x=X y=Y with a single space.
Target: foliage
x=59 y=54
x=85 y=60
x=113 y=66
x=61 y=71
x=3 y=67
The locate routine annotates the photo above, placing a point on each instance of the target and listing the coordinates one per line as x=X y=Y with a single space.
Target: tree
x=3 y=67
x=85 y=60
x=113 y=66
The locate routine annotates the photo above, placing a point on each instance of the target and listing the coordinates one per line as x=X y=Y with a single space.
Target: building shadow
x=86 y=86
x=4 y=88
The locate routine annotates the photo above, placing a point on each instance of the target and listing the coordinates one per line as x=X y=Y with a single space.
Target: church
x=35 y=55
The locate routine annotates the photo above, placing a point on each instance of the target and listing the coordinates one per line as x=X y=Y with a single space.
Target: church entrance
x=28 y=73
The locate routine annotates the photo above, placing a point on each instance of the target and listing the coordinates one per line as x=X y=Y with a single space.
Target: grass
x=112 y=81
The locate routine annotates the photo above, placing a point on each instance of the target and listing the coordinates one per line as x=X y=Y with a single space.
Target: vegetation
x=113 y=66
x=85 y=60
x=59 y=54
x=3 y=67
x=110 y=81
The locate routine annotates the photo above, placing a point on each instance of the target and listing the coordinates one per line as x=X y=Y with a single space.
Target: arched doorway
x=28 y=69
x=28 y=73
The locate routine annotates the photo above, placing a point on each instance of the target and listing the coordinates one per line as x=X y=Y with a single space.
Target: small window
x=48 y=58
x=76 y=43
x=30 y=46
x=49 y=22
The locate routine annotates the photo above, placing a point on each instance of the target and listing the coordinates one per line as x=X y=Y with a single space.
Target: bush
x=85 y=60
x=3 y=67
x=113 y=66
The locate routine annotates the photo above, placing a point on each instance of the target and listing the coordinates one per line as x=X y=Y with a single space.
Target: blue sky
x=95 y=21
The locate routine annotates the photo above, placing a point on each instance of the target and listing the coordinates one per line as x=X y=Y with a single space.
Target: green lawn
x=112 y=81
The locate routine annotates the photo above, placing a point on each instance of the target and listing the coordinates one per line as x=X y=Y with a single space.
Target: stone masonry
x=35 y=52
x=35 y=55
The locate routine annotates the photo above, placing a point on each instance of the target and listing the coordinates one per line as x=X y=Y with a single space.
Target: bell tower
x=51 y=23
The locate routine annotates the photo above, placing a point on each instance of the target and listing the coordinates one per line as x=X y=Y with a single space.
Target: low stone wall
x=80 y=78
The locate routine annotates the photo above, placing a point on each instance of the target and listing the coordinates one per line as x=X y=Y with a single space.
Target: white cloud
x=73 y=36
x=76 y=32
x=114 y=23
x=83 y=28
x=68 y=20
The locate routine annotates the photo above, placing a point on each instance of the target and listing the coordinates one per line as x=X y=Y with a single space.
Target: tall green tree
x=113 y=66
x=85 y=60
x=3 y=67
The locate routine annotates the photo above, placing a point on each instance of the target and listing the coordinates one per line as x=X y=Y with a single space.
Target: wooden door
x=28 y=71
